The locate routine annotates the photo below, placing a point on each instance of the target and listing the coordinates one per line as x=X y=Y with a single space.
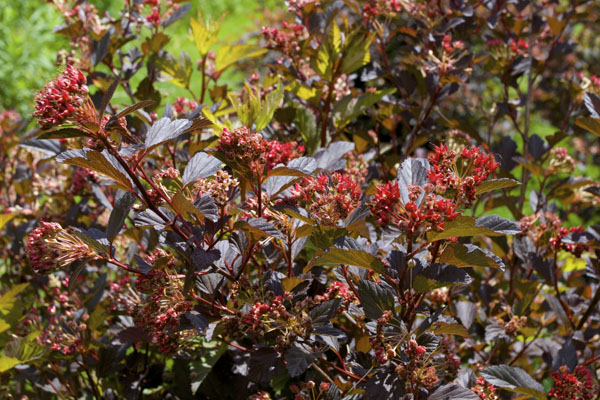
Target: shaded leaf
x=357 y=258
x=375 y=299
x=164 y=130
x=323 y=313
x=133 y=108
x=329 y=158
x=103 y=163
x=513 y=379
x=495 y=184
x=260 y=227
x=462 y=226
x=298 y=358
x=202 y=165
x=206 y=205
x=469 y=255
x=453 y=392
x=123 y=203
x=229 y=55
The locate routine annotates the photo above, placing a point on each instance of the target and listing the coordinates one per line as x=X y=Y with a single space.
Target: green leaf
x=462 y=226
x=350 y=107
x=62 y=133
x=229 y=55
x=179 y=70
x=212 y=352
x=267 y=109
x=5 y=218
x=495 y=184
x=103 y=163
x=513 y=379
x=441 y=328
x=356 y=53
x=7 y=363
x=307 y=126
x=181 y=205
x=205 y=33
x=328 y=53
x=357 y=258
x=469 y=255
x=375 y=299
x=11 y=307
x=589 y=124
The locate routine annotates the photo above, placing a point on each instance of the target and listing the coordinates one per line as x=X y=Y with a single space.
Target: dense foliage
x=399 y=203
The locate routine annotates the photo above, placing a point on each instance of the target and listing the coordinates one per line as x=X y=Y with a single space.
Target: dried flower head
x=49 y=246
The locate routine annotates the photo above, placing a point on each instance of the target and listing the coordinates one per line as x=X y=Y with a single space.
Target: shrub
x=399 y=203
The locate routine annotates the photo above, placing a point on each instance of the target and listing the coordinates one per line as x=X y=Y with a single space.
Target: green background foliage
x=26 y=66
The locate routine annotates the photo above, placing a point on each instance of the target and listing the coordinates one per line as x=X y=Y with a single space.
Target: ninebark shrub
x=400 y=202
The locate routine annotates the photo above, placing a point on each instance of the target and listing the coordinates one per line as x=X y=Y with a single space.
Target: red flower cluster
x=382 y=7
x=183 y=105
x=251 y=151
x=484 y=390
x=282 y=153
x=154 y=17
x=575 y=248
x=62 y=99
x=461 y=174
x=431 y=214
x=337 y=289
x=244 y=147
x=328 y=199
x=80 y=178
x=161 y=311
x=287 y=41
x=578 y=385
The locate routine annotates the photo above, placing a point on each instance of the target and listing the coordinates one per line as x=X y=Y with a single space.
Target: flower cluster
x=560 y=162
x=220 y=187
x=81 y=177
x=382 y=7
x=159 y=313
x=538 y=227
x=574 y=248
x=265 y=319
x=459 y=175
x=327 y=198
x=63 y=99
x=431 y=213
x=381 y=345
x=243 y=147
x=286 y=41
x=282 y=153
x=578 y=385
x=338 y=289
x=484 y=390
x=49 y=246
x=299 y=5
x=416 y=369
x=183 y=105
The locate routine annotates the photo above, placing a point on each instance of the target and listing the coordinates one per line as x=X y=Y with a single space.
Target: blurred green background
x=28 y=45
